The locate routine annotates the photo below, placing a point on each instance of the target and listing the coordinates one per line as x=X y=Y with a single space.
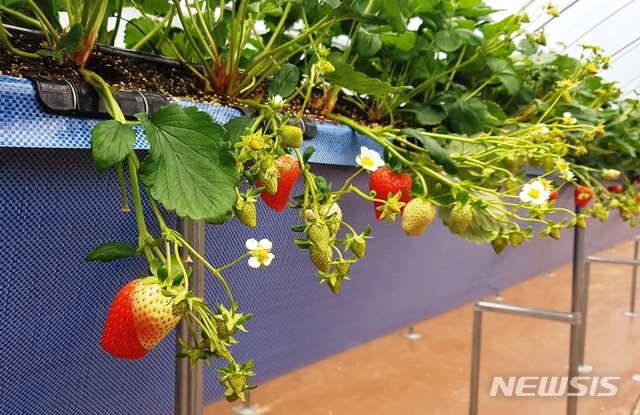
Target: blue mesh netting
x=55 y=208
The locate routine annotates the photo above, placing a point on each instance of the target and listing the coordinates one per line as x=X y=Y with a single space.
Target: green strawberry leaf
x=355 y=81
x=506 y=74
x=111 y=143
x=70 y=41
x=285 y=81
x=308 y=152
x=111 y=251
x=367 y=43
x=447 y=41
x=436 y=152
x=430 y=115
x=467 y=116
x=403 y=41
x=189 y=169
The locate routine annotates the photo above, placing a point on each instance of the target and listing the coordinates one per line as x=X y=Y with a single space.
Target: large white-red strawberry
x=119 y=335
x=153 y=315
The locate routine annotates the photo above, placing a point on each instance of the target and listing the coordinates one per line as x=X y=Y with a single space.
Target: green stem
x=213 y=270
x=143 y=233
x=123 y=190
x=235 y=261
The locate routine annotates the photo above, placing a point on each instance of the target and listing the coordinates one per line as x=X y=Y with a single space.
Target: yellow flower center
x=366 y=161
x=262 y=255
x=534 y=194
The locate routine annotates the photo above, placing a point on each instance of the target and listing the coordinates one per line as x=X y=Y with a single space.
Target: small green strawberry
x=319 y=235
x=269 y=179
x=516 y=238
x=335 y=285
x=418 y=214
x=223 y=330
x=359 y=248
x=291 y=136
x=343 y=267
x=238 y=381
x=555 y=233
x=321 y=259
x=460 y=219
x=581 y=222
x=499 y=244
x=247 y=212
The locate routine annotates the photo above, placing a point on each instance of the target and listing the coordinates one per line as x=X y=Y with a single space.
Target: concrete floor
x=430 y=376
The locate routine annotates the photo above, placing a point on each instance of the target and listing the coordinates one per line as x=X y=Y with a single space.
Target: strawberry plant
x=462 y=107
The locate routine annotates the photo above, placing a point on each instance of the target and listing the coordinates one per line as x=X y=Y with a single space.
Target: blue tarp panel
x=56 y=208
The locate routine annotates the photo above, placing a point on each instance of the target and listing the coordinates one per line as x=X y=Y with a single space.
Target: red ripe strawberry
x=289 y=170
x=119 y=335
x=582 y=195
x=153 y=315
x=553 y=195
x=615 y=188
x=385 y=181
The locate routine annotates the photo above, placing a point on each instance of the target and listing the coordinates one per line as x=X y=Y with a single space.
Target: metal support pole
x=576 y=337
x=584 y=307
x=411 y=334
x=632 y=305
x=475 y=360
x=571 y=318
x=189 y=387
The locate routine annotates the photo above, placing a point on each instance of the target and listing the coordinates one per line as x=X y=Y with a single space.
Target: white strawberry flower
x=260 y=252
x=568 y=118
x=277 y=102
x=534 y=192
x=565 y=169
x=369 y=159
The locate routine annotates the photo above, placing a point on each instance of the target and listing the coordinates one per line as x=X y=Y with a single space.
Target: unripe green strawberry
x=555 y=233
x=549 y=163
x=418 y=214
x=266 y=162
x=513 y=164
x=343 y=267
x=291 y=136
x=269 y=179
x=359 y=248
x=515 y=239
x=535 y=162
x=238 y=381
x=321 y=259
x=581 y=223
x=335 y=287
x=460 y=219
x=319 y=235
x=248 y=214
x=223 y=331
x=565 y=96
x=180 y=308
x=499 y=244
